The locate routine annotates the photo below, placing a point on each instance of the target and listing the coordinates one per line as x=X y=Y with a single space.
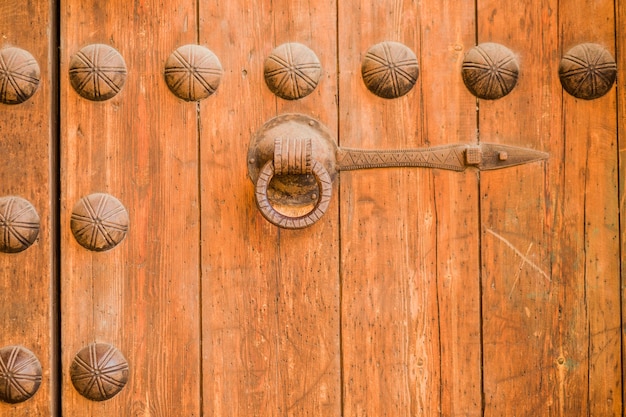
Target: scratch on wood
x=521 y=255
x=519 y=270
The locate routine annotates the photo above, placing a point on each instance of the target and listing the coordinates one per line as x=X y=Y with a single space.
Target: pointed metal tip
x=495 y=156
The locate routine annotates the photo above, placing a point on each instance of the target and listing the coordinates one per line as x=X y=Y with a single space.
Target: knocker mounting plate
x=292 y=194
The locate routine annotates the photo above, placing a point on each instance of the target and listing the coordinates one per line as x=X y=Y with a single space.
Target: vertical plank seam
x=559 y=377
x=200 y=235
x=586 y=277
x=481 y=349
x=437 y=298
x=339 y=218
x=281 y=407
x=55 y=206
x=279 y=267
x=618 y=20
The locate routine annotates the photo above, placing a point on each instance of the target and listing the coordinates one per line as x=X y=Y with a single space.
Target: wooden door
x=155 y=287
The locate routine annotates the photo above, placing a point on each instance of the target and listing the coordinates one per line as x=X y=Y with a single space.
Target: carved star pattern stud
x=20 y=374
x=292 y=71
x=193 y=72
x=19 y=75
x=587 y=71
x=19 y=224
x=99 y=371
x=490 y=71
x=97 y=72
x=390 y=69
x=99 y=222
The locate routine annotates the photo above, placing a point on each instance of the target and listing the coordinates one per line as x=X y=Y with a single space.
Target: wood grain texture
x=410 y=284
x=141 y=146
x=27 y=150
x=620 y=54
x=270 y=297
x=549 y=230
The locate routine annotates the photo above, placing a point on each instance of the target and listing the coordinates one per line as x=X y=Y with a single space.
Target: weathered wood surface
x=549 y=232
x=141 y=146
x=409 y=244
x=270 y=297
x=420 y=292
x=27 y=148
x=620 y=54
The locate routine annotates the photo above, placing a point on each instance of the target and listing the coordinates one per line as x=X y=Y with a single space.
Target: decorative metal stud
x=193 y=72
x=292 y=71
x=390 y=69
x=20 y=374
x=19 y=224
x=19 y=75
x=99 y=371
x=490 y=71
x=97 y=72
x=99 y=222
x=587 y=71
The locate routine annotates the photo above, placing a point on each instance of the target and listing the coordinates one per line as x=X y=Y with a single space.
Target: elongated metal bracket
x=484 y=156
x=293 y=160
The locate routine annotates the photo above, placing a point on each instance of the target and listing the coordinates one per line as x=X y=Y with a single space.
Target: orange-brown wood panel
x=409 y=248
x=141 y=147
x=620 y=34
x=449 y=116
x=550 y=254
x=27 y=153
x=270 y=297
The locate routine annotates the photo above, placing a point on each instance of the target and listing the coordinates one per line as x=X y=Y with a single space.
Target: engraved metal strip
x=484 y=156
x=446 y=157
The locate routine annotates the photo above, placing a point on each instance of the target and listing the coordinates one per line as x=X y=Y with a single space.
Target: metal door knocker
x=293 y=160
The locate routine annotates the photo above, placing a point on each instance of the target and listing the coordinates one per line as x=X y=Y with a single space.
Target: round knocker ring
x=324 y=183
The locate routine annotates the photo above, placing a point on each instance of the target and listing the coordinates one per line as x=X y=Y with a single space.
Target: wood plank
x=27 y=286
x=140 y=146
x=411 y=299
x=620 y=54
x=523 y=287
x=549 y=241
x=270 y=297
x=449 y=115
